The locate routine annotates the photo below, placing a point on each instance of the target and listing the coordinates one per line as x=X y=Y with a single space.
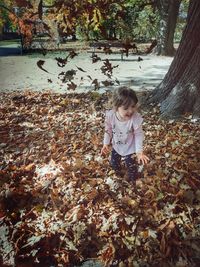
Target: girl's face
x=126 y=112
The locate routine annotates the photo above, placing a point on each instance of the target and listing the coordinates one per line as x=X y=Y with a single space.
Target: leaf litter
x=61 y=203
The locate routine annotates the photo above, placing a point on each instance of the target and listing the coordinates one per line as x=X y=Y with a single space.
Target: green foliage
x=5 y=5
x=136 y=20
x=91 y=19
x=146 y=24
x=3 y=14
x=140 y=21
x=128 y=20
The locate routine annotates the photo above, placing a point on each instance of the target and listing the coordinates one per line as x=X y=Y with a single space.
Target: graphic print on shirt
x=121 y=134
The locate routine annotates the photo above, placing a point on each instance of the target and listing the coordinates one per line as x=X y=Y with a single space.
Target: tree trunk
x=185 y=95
x=168 y=10
x=179 y=92
x=1 y=32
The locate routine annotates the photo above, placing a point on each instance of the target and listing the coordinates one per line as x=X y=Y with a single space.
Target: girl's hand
x=141 y=157
x=105 y=149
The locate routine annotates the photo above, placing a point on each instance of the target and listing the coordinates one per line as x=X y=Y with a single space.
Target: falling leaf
x=67 y=76
x=95 y=58
x=72 y=54
x=71 y=86
x=107 y=68
x=96 y=84
x=61 y=62
x=40 y=64
x=89 y=77
x=107 y=83
x=81 y=69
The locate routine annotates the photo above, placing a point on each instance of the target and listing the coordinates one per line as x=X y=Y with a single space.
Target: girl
x=123 y=128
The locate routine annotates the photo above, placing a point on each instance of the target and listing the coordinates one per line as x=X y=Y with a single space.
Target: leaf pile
x=61 y=204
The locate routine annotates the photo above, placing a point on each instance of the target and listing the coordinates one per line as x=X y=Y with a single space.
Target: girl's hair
x=124 y=96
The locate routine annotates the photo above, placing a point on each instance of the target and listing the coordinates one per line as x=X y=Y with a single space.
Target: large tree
x=179 y=92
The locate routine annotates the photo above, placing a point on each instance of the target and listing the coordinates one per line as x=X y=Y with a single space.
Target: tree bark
x=185 y=95
x=179 y=92
x=168 y=10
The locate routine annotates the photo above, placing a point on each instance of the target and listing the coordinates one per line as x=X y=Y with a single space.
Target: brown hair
x=124 y=96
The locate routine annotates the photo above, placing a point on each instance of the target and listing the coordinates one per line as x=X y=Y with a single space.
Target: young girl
x=123 y=128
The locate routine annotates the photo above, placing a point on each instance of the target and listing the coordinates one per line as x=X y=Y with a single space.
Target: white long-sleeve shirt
x=126 y=137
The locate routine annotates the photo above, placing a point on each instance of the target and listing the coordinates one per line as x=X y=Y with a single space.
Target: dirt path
x=21 y=72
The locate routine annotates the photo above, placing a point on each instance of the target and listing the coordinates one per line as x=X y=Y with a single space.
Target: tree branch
x=8 y=9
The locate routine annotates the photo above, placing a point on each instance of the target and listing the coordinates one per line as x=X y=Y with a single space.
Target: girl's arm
x=107 y=135
x=139 y=138
x=108 y=130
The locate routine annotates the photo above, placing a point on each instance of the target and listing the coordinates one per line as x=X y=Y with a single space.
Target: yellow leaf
x=75 y=145
x=111 y=172
x=130 y=202
x=64 y=102
x=145 y=234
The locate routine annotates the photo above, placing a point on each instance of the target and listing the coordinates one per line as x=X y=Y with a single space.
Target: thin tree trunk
x=169 y=49
x=168 y=18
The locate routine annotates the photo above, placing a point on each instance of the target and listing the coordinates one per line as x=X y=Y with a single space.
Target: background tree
x=124 y=19
x=149 y=19
x=136 y=21
x=92 y=18
x=168 y=11
x=181 y=20
x=179 y=92
x=147 y=24
x=5 y=5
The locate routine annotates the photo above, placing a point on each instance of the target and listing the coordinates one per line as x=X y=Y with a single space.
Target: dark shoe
x=119 y=174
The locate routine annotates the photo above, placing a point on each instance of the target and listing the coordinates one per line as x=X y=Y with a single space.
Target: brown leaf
x=40 y=64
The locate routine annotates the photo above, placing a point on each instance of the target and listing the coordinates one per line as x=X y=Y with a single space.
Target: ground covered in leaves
x=61 y=204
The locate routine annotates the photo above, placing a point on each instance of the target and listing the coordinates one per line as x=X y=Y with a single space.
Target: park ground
x=21 y=72
x=60 y=201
